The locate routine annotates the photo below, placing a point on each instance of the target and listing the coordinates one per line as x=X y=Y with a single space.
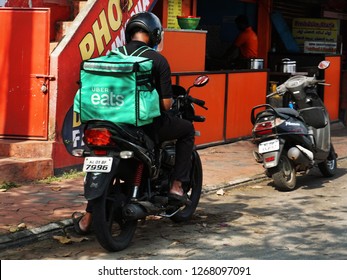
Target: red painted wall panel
x=24 y=48
x=332 y=92
x=214 y=94
x=191 y=47
x=61 y=10
x=245 y=91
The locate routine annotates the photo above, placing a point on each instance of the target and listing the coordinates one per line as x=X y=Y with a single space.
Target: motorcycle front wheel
x=284 y=174
x=112 y=231
x=193 y=190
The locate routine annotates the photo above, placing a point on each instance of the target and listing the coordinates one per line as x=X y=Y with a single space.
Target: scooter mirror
x=324 y=64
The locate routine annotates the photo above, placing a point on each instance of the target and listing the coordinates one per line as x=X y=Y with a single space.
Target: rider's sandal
x=76 y=218
x=177 y=199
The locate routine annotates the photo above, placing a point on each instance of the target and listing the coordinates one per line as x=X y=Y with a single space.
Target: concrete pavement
x=35 y=211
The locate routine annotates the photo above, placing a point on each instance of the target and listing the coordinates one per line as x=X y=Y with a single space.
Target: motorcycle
x=294 y=138
x=128 y=174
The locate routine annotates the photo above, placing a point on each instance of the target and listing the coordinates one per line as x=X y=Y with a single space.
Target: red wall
x=229 y=97
x=332 y=92
x=212 y=130
x=192 y=50
x=61 y=10
x=245 y=91
x=24 y=61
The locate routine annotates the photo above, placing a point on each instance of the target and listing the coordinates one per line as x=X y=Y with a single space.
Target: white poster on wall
x=318 y=30
x=320 y=47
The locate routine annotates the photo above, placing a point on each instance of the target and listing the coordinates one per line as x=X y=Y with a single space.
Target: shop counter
x=230 y=97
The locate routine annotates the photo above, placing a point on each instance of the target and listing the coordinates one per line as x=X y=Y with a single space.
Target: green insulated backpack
x=118 y=88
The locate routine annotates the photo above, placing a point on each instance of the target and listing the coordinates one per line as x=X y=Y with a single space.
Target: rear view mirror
x=324 y=64
x=201 y=81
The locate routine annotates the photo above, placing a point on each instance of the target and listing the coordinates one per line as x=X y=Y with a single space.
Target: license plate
x=269 y=146
x=97 y=164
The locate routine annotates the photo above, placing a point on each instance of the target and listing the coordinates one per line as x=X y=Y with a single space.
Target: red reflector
x=269 y=159
x=264 y=132
x=100 y=152
x=98 y=137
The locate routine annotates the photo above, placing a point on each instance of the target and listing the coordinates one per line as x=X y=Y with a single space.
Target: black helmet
x=147 y=21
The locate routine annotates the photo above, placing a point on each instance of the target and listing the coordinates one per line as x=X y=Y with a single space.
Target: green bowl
x=189 y=22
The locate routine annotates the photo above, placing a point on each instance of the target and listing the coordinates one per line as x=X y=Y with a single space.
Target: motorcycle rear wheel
x=284 y=175
x=328 y=167
x=112 y=231
x=194 y=191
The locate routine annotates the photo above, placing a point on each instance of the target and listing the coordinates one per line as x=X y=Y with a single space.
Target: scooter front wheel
x=328 y=167
x=284 y=174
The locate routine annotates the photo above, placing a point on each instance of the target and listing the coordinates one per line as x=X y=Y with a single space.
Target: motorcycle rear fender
x=96 y=183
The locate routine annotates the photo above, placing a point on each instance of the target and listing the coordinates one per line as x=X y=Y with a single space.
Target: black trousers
x=169 y=127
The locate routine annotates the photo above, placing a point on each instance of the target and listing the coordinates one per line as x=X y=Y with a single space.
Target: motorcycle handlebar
x=271 y=94
x=198 y=102
x=322 y=83
x=281 y=89
x=199 y=119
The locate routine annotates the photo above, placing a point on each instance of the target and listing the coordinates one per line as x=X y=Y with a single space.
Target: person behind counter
x=247 y=40
x=243 y=48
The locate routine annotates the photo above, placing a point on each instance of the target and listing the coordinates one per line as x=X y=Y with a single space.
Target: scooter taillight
x=98 y=137
x=264 y=128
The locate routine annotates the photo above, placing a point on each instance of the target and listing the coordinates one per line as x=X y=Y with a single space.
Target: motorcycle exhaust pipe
x=300 y=154
x=134 y=212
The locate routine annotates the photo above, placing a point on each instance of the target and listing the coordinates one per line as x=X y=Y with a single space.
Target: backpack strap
x=124 y=50
x=140 y=51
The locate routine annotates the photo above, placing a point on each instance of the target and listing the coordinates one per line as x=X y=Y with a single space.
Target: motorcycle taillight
x=98 y=137
x=264 y=128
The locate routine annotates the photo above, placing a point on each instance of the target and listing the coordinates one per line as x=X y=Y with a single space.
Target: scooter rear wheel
x=328 y=167
x=284 y=175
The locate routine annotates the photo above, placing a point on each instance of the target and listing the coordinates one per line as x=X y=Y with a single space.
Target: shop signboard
x=324 y=32
x=174 y=10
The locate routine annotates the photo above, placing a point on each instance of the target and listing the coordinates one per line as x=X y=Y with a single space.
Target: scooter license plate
x=97 y=164
x=269 y=146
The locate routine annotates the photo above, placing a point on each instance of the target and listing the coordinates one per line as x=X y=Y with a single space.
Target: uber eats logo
x=104 y=96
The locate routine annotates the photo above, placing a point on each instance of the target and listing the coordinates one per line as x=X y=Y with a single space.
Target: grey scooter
x=297 y=138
